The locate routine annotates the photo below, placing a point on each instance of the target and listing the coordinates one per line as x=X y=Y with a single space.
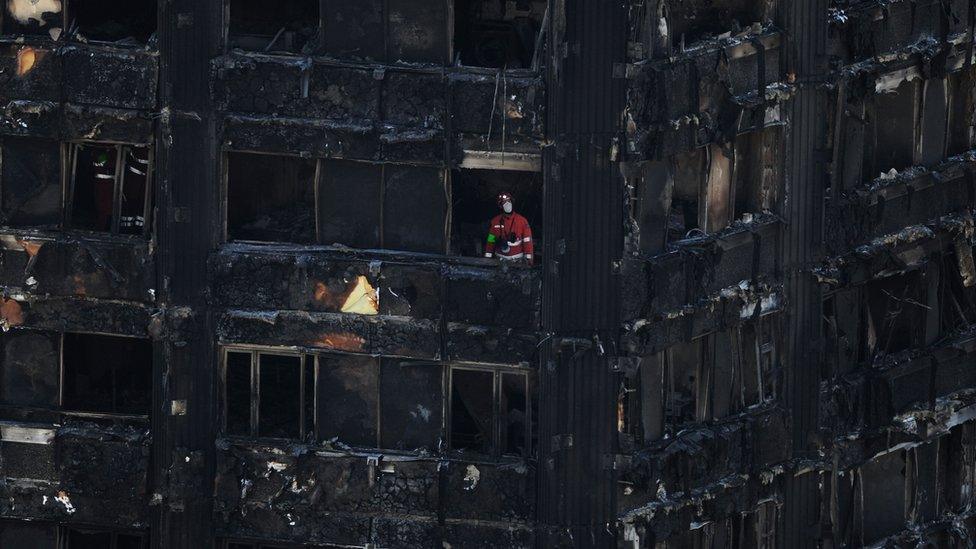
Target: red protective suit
x=510 y=238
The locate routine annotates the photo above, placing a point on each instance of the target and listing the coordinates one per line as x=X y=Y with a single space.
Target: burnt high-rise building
x=245 y=300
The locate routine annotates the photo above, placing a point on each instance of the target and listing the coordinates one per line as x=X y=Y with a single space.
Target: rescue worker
x=510 y=237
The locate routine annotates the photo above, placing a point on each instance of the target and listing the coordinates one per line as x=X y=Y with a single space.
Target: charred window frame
x=35 y=19
x=500 y=395
x=240 y=543
x=260 y=390
x=79 y=537
x=706 y=379
x=122 y=206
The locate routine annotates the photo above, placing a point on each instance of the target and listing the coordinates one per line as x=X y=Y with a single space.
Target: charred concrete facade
x=244 y=305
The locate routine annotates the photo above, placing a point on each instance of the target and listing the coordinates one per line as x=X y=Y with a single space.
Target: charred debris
x=245 y=304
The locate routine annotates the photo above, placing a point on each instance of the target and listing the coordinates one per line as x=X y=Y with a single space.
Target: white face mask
x=507 y=207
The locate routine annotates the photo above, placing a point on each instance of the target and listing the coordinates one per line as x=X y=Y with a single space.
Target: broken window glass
x=107 y=374
x=30 y=178
x=474 y=194
x=497 y=33
x=489 y=412
x=78 y=538
x=270 y=198
x=289 y=26
x=882 y=487
x=268 y=394
x=109 y=188
x=32 y=17
x=124 y=21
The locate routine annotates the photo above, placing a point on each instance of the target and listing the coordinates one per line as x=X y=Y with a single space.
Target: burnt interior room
x=474 y=195
x=286 y=26
x=270 y=198
x=497 y=33
x=43 y=18
x=107 y=374
x=116 y=21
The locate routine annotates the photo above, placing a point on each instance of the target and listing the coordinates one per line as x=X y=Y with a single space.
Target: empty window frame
x=474 y=196
x=709 y=377
x=104 y=374
x=490 y=412
x=28 y=534
x=336 y=202
x=688 y=22
x=286 y=26
x=32 y=18
x=716 y=185
x=115 y=21
x=82 y=538
x=109 y=188
x=269 y=394
x=412 y=31
x=241 y=544
x=270 y=198
x=894 y=119
x=30 y=182
x=498 y=33
x=962 y=111
x=894 y=314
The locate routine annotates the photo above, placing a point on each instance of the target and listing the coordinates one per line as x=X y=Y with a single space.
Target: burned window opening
x=358 y=204
x=474 y=195
x=32 y=18
x=894 y=121
x=270 y=198
x=269 y=394
x=708 y=378
x=688 y=22
x=893 y=314
x=109 y=188
x=116 y=21
x=962 y=111
x=30 y=182
x=489 y=412
x=715 y=186
x=106 y=374
x=497 y=33
x=957 y=290
x=241 y=544
x=289 y=26
x=82 y=538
